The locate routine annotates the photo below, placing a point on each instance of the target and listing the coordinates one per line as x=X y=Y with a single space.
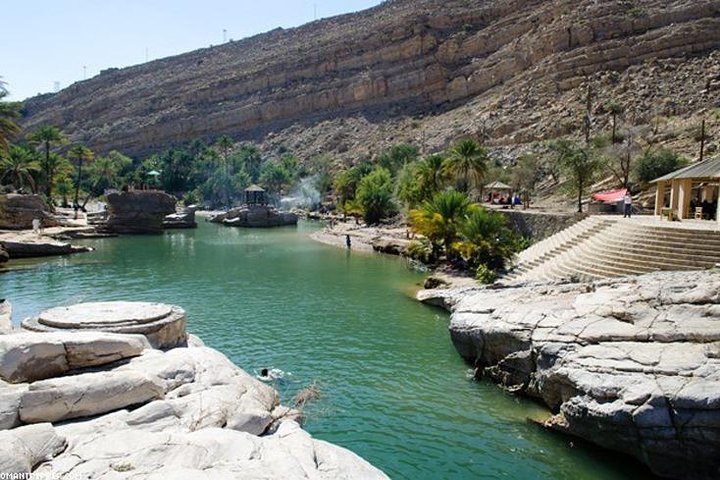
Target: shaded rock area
x=139 y=211
x=17 y=211
x=142 y=413
x=4 y=255
x=162 y=325
x=255 y=216
x=631 y=364
x=182 y=219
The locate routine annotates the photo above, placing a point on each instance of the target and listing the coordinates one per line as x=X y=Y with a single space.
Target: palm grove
x=432 y=193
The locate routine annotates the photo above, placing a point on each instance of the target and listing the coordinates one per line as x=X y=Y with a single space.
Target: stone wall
x=538 y=226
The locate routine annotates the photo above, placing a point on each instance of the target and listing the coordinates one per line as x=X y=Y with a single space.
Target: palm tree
x=9 y=128
x=440 y=219
x=468 y=163
x=47 y=136
x=224 y=144
x=18 y=167
x=431 y=175
x=80 y=153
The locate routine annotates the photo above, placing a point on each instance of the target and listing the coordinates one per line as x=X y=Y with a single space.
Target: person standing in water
x=348 y=242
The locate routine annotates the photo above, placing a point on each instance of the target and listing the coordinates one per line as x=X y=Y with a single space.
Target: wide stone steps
x=602 y=247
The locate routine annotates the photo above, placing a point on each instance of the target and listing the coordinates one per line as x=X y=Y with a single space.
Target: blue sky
x=48 y=41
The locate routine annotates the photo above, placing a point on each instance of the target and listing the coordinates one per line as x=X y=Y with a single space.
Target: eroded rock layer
x=631 y=364
x=402 y=57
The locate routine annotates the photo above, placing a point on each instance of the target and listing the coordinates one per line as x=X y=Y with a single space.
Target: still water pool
x=393 y=389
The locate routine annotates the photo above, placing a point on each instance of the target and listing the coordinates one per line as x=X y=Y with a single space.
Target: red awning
x=613 y=196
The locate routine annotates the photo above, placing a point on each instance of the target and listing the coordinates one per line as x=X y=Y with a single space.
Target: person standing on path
x=628 y=205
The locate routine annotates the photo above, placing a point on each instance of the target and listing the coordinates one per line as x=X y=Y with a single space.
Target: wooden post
x=659 y=197
x=684 y=194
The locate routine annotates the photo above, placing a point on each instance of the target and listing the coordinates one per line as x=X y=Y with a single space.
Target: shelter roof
x=254 y=188
x=496 y=185
x=709 y=168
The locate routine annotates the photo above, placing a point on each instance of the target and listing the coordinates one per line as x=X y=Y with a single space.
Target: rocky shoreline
x=92 y=404
x=631 y=364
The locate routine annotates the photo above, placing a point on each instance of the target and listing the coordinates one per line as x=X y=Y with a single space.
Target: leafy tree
x=398 y=156
x=374 y=195
x=579 y=165
x=19 y=166
x=251 y=159
x=346 y=182
x=467 y=162
x=63 y=185
x=9 y=112
x=655 y=164
x=274 y=177
x=48 y=136
x=440 y=219
x=176 y=165
x=105 y=171
x=525 y=174
x=619 y=158
x=81 y=154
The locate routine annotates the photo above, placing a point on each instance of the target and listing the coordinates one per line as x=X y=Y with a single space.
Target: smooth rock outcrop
x=23 y=448
x=27 y=357
x=255 y=216
x=143 y=413
x=17 y=211
x=631 y=364
x=163 y=325
x=139 y=211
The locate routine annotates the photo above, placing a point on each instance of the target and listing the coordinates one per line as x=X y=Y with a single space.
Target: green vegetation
x=579 y=163
x=653 y=165
x=9 y=113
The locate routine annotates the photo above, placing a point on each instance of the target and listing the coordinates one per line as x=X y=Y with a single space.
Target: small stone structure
x=139 y=211
x=163 y=325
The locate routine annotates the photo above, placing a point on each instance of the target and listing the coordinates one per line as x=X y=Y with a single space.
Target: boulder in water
x=140 y=211
x=256 y=216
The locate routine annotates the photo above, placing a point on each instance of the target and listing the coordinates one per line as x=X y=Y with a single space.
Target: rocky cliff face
x=402 y=59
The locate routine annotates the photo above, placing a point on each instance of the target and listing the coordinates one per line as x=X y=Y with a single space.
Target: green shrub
x=653 y=165
x=485 y=275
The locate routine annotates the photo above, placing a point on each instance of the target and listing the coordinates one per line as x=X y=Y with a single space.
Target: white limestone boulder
x=26 y=357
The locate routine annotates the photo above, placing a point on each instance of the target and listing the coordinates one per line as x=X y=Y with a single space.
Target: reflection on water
x=392 y=387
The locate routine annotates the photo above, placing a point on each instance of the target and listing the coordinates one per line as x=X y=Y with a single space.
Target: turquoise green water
x=393 y=389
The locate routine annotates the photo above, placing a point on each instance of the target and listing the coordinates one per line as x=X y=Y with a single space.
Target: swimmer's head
x=264 y=372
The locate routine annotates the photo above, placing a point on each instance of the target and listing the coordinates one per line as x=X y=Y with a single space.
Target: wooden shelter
x=497 y=189
x=693 y=192
x=255 y=195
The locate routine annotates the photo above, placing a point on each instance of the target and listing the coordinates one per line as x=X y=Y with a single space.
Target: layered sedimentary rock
x=18 y=211
x=138 y=412
x=401 y=58
x=255 y=216
x=140 y=211
x=162 y=325
x=630 y=364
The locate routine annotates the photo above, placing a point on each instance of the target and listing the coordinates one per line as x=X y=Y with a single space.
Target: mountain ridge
x=397 y=61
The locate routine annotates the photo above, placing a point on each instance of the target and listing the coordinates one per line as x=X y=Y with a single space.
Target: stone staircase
x=605 y=246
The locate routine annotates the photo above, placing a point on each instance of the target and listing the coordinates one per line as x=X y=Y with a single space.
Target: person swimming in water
x=272 y=374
